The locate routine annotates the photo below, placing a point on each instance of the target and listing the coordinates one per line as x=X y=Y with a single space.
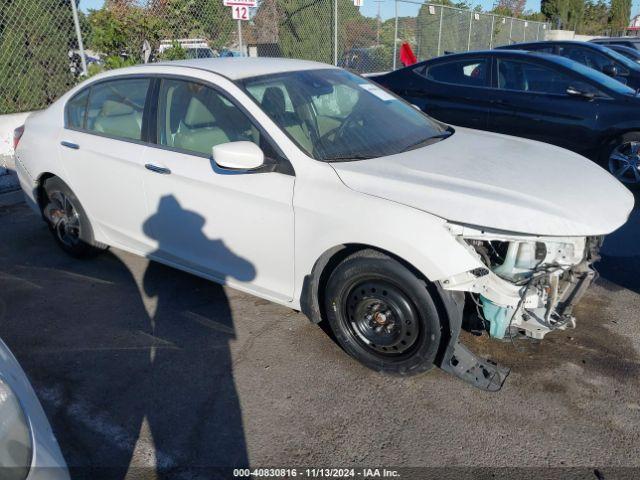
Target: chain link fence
x=40 y=49
x=35 y=38
x=443 y=29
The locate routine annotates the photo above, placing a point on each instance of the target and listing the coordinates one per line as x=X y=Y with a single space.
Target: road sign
x=240 y=3
x=358 y=3
x=240 y=12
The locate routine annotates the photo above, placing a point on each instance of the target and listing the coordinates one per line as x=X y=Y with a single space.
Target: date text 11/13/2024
x=364 y=473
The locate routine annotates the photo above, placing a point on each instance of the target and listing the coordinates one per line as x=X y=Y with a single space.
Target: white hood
x=499 y=182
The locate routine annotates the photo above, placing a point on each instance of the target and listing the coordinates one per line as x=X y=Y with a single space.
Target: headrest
x=273 y=101
x=112 y=108
x=198 y=114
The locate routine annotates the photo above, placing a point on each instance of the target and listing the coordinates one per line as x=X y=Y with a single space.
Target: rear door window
x=532 y=77
x=468 y=72
x=115 y=108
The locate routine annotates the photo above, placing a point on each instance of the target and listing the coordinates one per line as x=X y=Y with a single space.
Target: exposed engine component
x=532 y=284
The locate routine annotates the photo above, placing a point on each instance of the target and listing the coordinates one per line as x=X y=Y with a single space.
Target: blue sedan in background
x=538 y=96
x=594 y=55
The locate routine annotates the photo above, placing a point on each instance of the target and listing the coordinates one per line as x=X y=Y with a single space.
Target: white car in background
x=28 y=449
x=193 y=47
x=314 y=188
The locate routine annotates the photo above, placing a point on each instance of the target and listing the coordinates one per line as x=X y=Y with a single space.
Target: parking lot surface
x=141 y=368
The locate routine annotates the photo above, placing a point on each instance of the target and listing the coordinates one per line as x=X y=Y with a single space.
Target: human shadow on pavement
x=136 y=384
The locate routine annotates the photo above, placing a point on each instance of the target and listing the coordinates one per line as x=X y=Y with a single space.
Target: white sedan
x=314 y=188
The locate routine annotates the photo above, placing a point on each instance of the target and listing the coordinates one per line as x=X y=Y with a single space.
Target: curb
x=11 y=198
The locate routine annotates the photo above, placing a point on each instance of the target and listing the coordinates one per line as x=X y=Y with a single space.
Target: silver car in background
x=28 y=448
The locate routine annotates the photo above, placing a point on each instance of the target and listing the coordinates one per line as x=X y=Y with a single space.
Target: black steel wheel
x=381 y=317
x=68 y=221
x=382 y=314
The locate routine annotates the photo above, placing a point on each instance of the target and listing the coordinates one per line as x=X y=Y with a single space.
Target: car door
x=453 y=91
x=234 y=226
x=102 y=148
x=530 y=100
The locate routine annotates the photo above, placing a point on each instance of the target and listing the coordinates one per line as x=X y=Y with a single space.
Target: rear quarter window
x=76 y=110
x=468 y=72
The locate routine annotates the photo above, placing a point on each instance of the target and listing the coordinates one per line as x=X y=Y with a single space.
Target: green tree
x=564 y=14
x=35 y=38
x=174 y=52
x=208 y=19
x=619 y=15
x=596 y=18
x=306 y=28
x=119 y=33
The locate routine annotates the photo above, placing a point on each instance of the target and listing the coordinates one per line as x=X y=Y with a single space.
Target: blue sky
x=387 y=6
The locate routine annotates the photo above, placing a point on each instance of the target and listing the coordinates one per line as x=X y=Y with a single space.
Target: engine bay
x=529 y=285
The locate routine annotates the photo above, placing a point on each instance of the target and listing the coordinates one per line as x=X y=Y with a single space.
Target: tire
x=621 y=158
x=68 y=222
x=382 y=314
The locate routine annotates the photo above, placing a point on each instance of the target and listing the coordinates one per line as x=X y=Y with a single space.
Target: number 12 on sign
x=240 y=12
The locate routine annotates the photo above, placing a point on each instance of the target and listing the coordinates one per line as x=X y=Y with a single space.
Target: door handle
x=73 y=146
x=157 y=169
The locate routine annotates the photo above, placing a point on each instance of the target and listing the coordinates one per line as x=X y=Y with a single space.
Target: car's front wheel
x=68 y=221
x=622 y=159
x=382 y=314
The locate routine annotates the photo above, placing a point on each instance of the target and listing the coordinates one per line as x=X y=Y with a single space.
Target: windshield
x=601 y=78
x=627 y=62
x=334 y=115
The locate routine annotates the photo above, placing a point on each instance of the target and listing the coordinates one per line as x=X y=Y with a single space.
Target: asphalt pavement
x=148 y=372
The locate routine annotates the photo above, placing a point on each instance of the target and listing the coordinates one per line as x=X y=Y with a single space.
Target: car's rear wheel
x=68 y=221
x=622 y=159
x=382 y=314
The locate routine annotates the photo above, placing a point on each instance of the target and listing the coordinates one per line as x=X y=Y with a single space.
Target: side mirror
x=574 y=92
x=610 y=70
x=238 y=156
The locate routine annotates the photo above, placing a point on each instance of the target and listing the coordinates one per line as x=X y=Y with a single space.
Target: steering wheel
x=349 y=122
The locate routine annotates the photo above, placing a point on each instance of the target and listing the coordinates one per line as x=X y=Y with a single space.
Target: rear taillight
x=17 y=135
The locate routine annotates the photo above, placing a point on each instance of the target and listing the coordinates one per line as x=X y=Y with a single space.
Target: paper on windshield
x=377 y=91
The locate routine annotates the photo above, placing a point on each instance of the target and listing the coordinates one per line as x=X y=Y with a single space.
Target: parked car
x=193 y=47
x=28 y=448
x=630 y=53
x=364 y=59
x=631 y=42
x=538 y=96
x=314 y=188
x=592 y=55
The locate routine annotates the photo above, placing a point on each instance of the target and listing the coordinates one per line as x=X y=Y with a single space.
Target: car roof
x=503 y=51
x=615 y=39
x=624 y=48
x=548 y=57
x=564 y=62
x=592 y=45
x=236 y=68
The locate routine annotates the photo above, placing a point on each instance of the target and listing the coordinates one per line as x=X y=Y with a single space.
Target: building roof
x=236 y=68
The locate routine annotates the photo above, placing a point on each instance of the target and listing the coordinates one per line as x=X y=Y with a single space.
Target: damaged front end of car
x=524 y=287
